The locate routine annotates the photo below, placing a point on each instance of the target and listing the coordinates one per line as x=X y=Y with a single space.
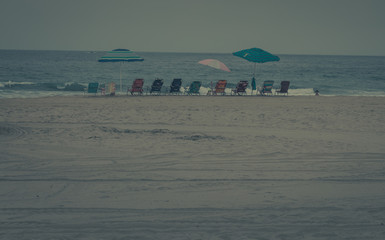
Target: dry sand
x=192 y=167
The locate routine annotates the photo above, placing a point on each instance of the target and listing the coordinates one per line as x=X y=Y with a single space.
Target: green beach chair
x=92 y=88
x=194 y=88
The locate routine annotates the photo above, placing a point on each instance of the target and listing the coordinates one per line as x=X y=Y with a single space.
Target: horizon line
x=186 y=52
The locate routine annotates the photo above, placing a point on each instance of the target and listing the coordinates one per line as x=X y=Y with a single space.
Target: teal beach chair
x=194 y=88
x=92 y=88
x=266 y=88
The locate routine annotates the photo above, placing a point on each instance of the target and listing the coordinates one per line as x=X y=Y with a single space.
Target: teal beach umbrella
x=120 y=55
x=256 y=55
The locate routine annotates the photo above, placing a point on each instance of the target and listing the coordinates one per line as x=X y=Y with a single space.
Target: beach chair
x=175 y=86
x=194 y=88
x=220 y=87
x=102 y=89
x=284 y=88
x=156 y=86
x=137 y=87
x=266 y=88
x=240 y=89
x=111 y=89
x=92 y=88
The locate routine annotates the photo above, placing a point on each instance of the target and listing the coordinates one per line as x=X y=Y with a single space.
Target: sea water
x=25 y=73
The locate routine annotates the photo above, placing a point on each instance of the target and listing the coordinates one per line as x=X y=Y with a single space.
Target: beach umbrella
x=215 y=64
x=120 y=55
x=253 y=84
x=256 y=55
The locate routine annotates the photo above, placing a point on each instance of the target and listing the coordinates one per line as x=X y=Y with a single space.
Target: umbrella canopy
x=120 y=55
x=215 y=64
x=256 y=55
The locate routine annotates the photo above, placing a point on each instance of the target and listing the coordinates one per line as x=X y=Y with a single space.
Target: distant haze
x=343 y=27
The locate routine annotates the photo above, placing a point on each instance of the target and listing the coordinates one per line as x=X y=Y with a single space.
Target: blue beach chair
x=175 y=86
x=284 y=88
x=156 y=86
x=240 y=89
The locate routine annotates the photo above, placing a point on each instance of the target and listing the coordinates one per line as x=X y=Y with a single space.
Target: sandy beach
x=192 y=167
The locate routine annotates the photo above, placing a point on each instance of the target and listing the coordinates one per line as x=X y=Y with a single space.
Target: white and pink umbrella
x=215 y=64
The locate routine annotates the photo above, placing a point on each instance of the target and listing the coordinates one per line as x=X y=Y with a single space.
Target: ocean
x=29 y=73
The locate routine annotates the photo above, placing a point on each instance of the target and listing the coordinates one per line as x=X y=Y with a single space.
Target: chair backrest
x=137 y=85
x=93 y=87
x=175 y=85
x=267 y=86
x=284 y=86
x=195 y=87
x=156 y=85
x=241 y=86
x=220 y=86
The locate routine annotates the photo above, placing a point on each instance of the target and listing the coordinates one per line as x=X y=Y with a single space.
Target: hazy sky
x=353 y=27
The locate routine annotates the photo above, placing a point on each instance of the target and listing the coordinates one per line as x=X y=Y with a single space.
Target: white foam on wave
x=36 y=94
x=292 y=92
x=11 y=83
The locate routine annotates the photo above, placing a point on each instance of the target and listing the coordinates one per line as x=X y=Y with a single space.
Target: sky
x=326 y=27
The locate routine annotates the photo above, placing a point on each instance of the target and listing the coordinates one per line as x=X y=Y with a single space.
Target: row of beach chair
x=156 y=87
x=264 y=90
x=175 y=88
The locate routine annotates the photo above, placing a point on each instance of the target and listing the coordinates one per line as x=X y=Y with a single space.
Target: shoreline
x=80 y=96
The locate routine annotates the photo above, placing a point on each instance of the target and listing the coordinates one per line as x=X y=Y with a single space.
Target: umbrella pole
x=255 y=65
x=120 y=77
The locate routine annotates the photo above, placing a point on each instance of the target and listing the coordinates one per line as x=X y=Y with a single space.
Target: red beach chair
x=137 y=87
x=220 y=87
